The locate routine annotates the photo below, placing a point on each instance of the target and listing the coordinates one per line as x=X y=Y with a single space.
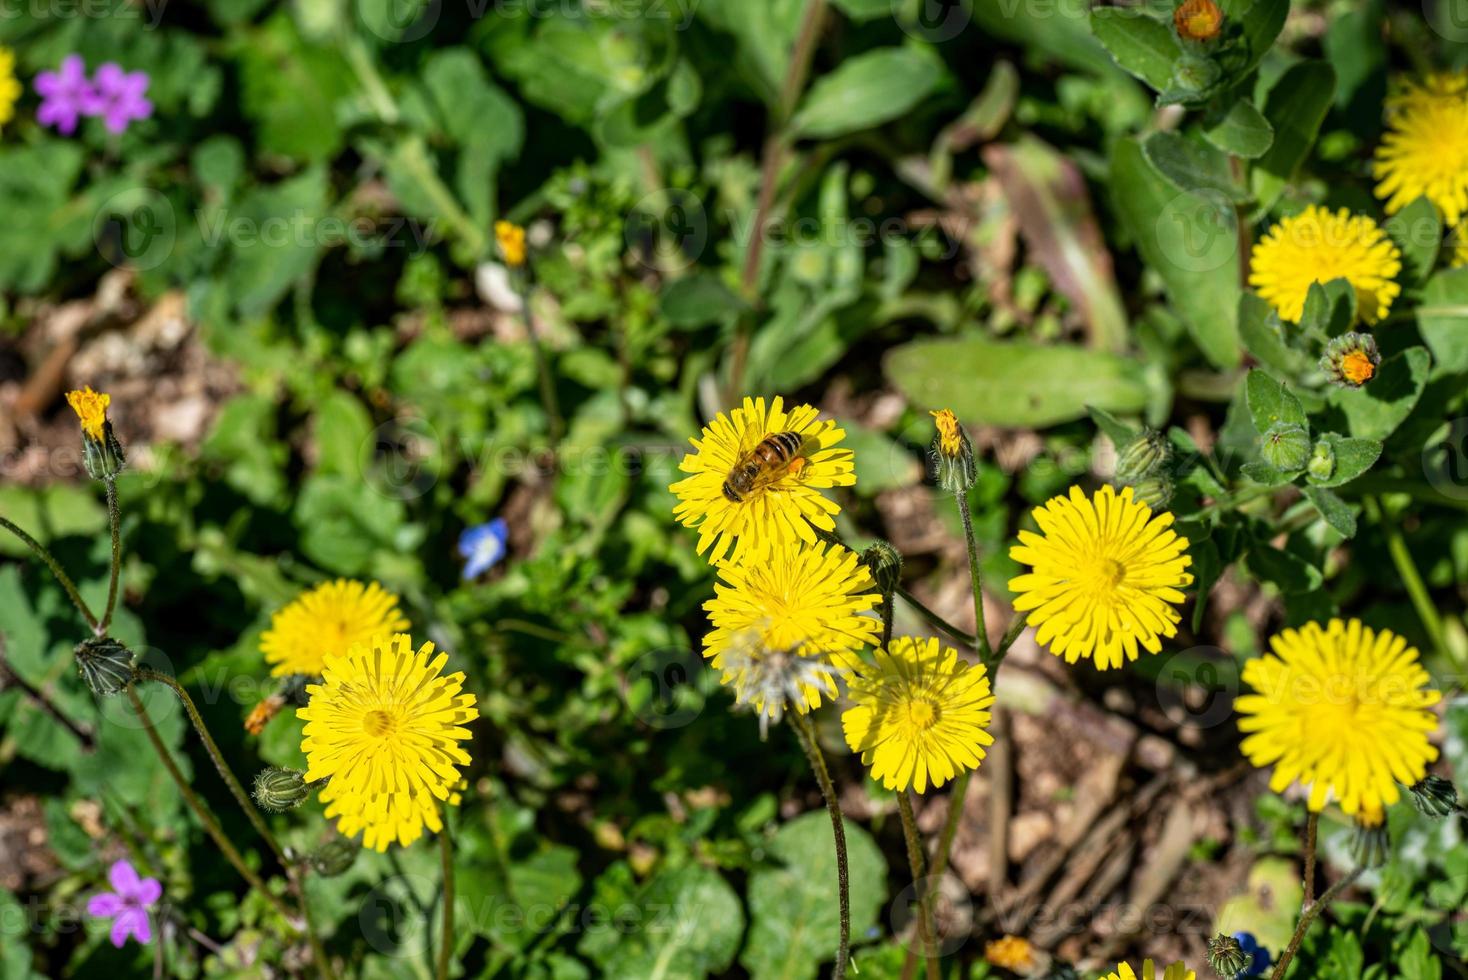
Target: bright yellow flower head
x=91 y=408
x=511 y=240
x=950 y=436
x=756 y=479
x=1011 y=953
x=384 y=727
x=786 y=627
x=1106 y=575
x=328 y=621
x=1425 y=149
x=1317 y=245
x=1341 y=709
x=1177 y=971
x=9 y=87
x=918 y=716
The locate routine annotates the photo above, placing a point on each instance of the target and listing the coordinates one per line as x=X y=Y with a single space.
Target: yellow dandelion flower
x=1425 y=149
x=511 y=240
x=1341 y=709
x=1317 y=245
x=384 y=728
x=950 y=436
x=328 y=621
x=756 y=479
x=918 y=716
x=9 y=87
x=1106 y=575
x=91 y=409
x=1011 y=953
x=1177 y=971
x=786 y=627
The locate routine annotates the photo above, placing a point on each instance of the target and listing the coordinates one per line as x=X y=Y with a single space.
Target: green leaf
x=1333 y=509
x=698 y=300
x=1418 y=231
x=1442 y=319
x=343 y=426
x=1116 y=430
x=344 y=522
x=1330 y=309
x=1242 y=131
x=1352 y=458
x=1015 y=384
x=1141 y=44
x=1291 y=573
x=1271 y=402
x=1375 y=411
x=1262 y=21
x=690 y=922
x=1192 y=165
x=1295 y=108
x=868 y=90
x=863 y=10
x=35 y=191
x=275 y=237
x=1417 y=961
x=765 y=33
x=1265 y=475
x=474 y=111
x=1191 y=239
x=795 y=926
x=1264 y=338
x=290 y=89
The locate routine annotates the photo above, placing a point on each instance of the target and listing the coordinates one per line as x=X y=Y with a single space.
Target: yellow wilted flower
x=91 y=409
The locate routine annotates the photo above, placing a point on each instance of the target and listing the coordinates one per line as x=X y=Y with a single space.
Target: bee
x=776 y=455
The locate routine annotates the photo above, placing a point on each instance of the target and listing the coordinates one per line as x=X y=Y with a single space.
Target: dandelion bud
x=1322 y=461
x=511 y=240
x=1198 y=20
x=334 y=857
x=1370 y=843
x=1227 y=957
x=1155 y=491
x=1143 y=456
x=885 y=564
x=952 y=454
x=102 y=454
x=1286 y=447
x=1435 y=797
x=1351 y=359
x=278 y=790
x=105 y=665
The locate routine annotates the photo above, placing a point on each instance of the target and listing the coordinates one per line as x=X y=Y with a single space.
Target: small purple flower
x=121 y=96
x=483 y=546
x=127 y=904
x=66 y=95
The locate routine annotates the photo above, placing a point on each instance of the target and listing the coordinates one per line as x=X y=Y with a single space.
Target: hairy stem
x=976 y=578
x=938 y=622
x=446 y=859
x=1312 y=824
x=115 y=520
x=806 y=732
x=915 y=865
x=56 y=569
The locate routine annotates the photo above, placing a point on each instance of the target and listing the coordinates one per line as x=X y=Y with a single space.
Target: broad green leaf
x=274 y=239
x=698 y=300
x=1271 y=402
x=1192 y=165
x=342 y=426
x=862 y=10
x=1418 y=231
x=868 y=90
x=1061 y=31
x=1265 y=475
x=1242 y=131
x=1333 y=509
x=1352 y=458
x=689 y=923
x=1330 y=309
x=1191 y=239
x=344 y=522
x=1443 y=319
x=1141 y=44
x=1353 y=47
x=1295 y=108
x=290 y=88
x=794 y=924
x=1375 y=410
x=1291 y=573
x=1262 y=21
x=1015 y=384
x=1263 y=337
x=765 y=33
x=35 y=191
x=1116 y=430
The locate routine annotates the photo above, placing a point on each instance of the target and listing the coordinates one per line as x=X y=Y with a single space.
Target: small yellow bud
x=1198 y=20
x=511 y=240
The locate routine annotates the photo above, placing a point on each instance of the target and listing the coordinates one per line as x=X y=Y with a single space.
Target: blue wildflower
x=483 y=546
x=1250 y=947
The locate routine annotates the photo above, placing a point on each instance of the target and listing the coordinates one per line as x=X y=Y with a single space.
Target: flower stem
x=915 y=864
x=252 y=813
x=1307 y=916
x=318 y=951
x=981 y=632
x=936 y=621
x=211 y=826
x=1312 y=824
x=446 y=858
x=1411 y=578
x=806 y=732
x=115 y=520
x=887 y=611
x=55 y=567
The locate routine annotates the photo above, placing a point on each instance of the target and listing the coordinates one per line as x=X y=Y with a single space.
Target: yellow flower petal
x=328 y=621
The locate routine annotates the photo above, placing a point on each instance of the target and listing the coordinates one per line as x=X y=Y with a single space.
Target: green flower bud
x=1435 y=797
x=952 y=454
x=1351 y=359
x=1370 y=844
x=1286 y=447
x=334 y=857
x=278 y=790
x=1192 y=73
x=1227 y=957
x=105 y=665
x=884 y=562
x=1155 y=491
x=1143 y=456
x=1322 y=461
x=104 y=458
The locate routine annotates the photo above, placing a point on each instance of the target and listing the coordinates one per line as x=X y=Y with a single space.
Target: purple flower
x=127 y=904
x=483 y=546
x=121 y=96
x=66 y=95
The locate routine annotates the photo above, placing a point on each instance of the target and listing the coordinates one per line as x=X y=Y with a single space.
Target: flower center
x=922 y=714
x=1357 y=367
x=379 y=723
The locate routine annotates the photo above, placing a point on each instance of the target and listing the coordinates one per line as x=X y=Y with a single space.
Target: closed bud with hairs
x=1286 y=447
x=1227 y=956
x=1145 y=455
x=1155 y=491
x=884 y=562
x=1370 y=843
x=277 y=790
x=952 y=454
x=1435 y=796
x=335 y=857
x=105 y=665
